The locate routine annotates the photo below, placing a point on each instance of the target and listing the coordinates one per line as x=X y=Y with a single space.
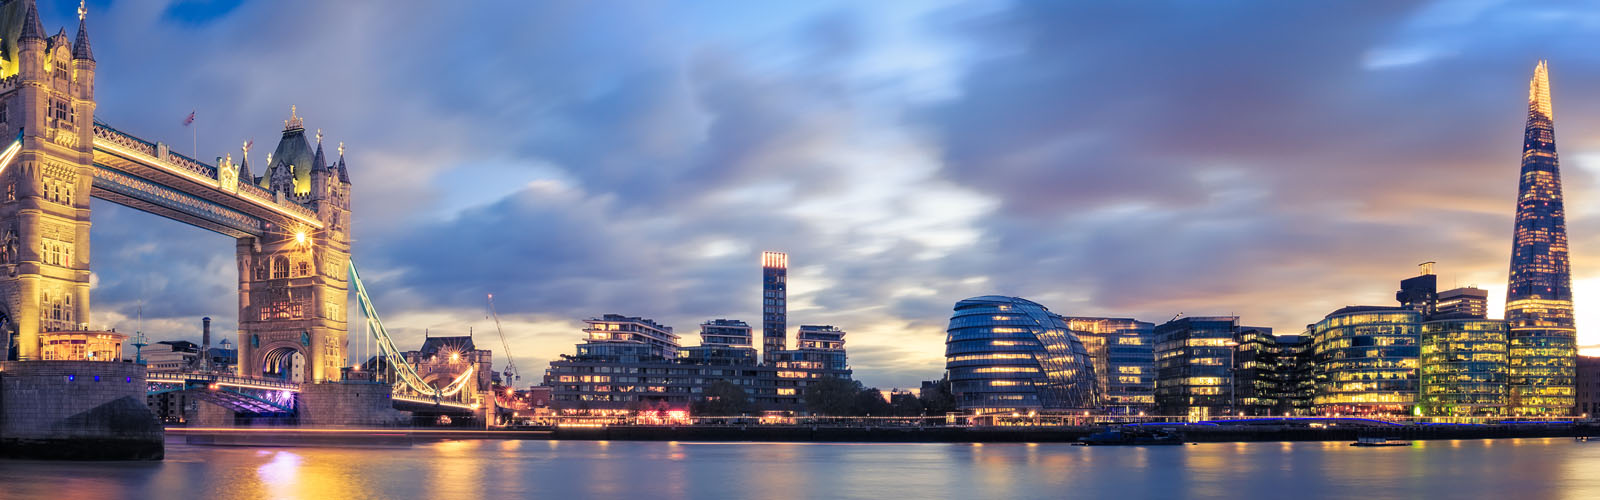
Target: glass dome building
x=1012 y=354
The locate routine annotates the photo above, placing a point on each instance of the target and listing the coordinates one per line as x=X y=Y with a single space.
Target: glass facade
x=1011 y=354
x=1194 y=366
x=1124 y=354
x=1366 y=361
x=1463 y=368
x=1542 y=344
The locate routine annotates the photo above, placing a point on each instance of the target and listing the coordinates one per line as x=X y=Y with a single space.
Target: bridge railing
x=223 y=379
x=103 y=131
x=191 y=165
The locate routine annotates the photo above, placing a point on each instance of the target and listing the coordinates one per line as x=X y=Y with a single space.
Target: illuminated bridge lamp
x=10 y=153
x=300 y=237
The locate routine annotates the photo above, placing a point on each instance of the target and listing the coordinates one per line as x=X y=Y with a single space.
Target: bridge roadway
x=148 y=176
x=263 y=395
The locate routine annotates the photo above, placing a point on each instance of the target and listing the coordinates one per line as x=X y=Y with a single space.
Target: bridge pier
x=77 y=410
x=208 y=414
x=349 y=404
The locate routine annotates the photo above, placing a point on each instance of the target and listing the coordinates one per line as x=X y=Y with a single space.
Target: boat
x=1379 y=441
x=1119 y=437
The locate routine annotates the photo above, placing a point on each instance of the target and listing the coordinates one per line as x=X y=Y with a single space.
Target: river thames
x=1516 y=468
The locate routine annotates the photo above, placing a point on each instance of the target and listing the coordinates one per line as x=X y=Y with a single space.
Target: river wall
x=76 y=410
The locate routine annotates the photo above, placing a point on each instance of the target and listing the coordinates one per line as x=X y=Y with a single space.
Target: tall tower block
x=774 y=307
x=1543 y=354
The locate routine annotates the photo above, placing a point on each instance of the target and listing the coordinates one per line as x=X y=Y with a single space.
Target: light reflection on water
x=1527 y=468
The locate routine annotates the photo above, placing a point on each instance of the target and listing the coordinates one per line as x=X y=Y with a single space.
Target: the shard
x=1542 y=352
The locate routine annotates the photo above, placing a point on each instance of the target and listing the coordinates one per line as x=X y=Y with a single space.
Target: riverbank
x=270 y=436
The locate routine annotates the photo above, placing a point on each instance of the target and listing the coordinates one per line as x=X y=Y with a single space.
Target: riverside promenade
x=1249 y=432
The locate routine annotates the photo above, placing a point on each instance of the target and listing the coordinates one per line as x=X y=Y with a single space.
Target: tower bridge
x=290 y=221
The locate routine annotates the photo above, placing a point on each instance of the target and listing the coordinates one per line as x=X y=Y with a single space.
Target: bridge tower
x=294 y=281
x=46 y=93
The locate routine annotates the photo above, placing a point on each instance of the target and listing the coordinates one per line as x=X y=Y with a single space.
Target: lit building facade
x=1468 y=301
x=1195 y=365
x=1124 y=354
x=1297 y=381
x=1366 y=361
x=1007 y=354
x=628 y=334
x=1588 y=387
x=774 y=306
x=1463 y=367
x=610 y=375
x=725 y=332
x=1264 y=373
x=81 y=345
x=1543 y=347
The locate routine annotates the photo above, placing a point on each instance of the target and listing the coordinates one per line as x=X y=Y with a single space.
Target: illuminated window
x=280 y=268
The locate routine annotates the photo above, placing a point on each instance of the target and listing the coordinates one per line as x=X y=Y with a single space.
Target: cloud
x=576 y=158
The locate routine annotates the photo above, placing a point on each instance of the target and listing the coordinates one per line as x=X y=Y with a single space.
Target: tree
x=723 y=398
x=905 y=405
x=870 y=403
x=940 y=400
x=832 y=396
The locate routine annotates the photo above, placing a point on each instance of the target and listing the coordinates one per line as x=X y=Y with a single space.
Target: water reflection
x=1529 y=468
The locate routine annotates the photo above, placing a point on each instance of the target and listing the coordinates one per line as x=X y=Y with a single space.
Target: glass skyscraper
x=774 y=309
x=1007 y=354
x=1542 y=353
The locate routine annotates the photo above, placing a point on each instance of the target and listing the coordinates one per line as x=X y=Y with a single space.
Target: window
x=304 y=268
x=261 y=273
x=280 y=268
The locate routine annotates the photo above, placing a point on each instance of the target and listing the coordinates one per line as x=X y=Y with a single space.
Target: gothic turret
x=344 y=175
x=80 y=45
x=290 y=168
x=32 y=29
x=244 y=165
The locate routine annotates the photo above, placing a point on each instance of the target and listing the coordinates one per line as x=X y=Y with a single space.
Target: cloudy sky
x=1276 y=160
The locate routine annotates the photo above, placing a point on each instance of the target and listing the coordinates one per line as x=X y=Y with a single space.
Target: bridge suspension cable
x=409 y=379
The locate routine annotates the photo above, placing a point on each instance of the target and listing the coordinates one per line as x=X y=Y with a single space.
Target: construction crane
x=511 y=376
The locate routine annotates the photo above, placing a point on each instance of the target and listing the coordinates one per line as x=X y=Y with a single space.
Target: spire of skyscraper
x=1543 y=349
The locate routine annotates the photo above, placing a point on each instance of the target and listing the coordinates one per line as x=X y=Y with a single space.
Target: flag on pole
x=189 y=120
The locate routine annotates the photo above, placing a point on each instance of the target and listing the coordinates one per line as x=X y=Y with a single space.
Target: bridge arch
x=284 y=362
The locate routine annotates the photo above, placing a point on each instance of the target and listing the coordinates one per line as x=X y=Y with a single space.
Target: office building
x=1124 y=356
x=1195 y=365
x=1543 y=347
x=1366 y=361
x=1008 y=354
x=1463 y=367
x=1465 y=301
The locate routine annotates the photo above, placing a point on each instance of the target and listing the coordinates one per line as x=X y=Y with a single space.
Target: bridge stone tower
x=46 y=94
x=294 y=281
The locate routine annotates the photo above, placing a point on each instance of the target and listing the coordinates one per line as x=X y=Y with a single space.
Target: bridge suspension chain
x=409 y=378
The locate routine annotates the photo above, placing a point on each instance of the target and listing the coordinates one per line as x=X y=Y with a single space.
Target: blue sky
x=1276 y=160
